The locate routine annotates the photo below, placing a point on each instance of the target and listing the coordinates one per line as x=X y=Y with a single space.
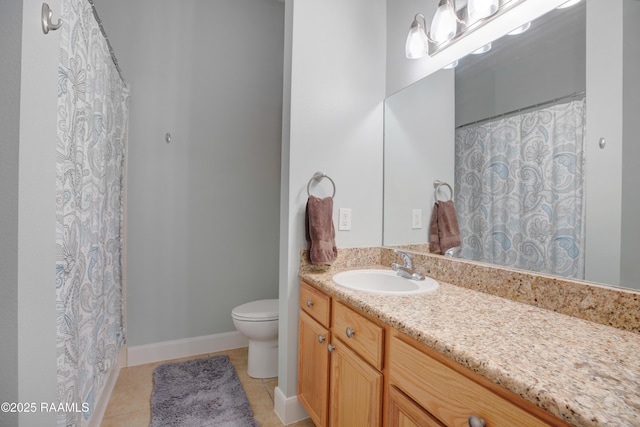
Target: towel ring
x=436 y=185
x=317 y=177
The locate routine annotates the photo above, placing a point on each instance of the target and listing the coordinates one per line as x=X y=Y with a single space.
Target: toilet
x=258 y=321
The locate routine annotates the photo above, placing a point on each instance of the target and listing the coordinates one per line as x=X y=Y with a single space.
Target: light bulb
x=483 y=49
x=521 y=29
x=445 y=23
x=417 y=44
x=478 y=9
x=454 y=64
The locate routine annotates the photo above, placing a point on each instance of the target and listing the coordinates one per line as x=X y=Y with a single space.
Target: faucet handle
x=406 y=257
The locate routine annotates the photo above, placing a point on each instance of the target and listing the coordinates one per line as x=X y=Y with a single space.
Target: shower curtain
x=520 y=190
x=92 y=123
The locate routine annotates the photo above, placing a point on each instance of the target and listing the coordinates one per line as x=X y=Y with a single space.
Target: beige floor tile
x=130 y=401
x=268 y=419
x=303 y=423
x=134 y=419
x=129 y=397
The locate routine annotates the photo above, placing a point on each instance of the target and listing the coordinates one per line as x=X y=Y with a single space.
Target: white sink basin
x=386 y=282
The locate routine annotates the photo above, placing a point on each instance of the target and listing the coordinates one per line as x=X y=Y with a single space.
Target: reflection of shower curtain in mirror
x=520 y=190
x=92 y=121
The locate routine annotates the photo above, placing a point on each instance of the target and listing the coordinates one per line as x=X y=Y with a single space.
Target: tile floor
x=130 y=401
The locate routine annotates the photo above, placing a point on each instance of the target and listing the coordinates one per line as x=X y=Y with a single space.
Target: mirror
x=552 y=57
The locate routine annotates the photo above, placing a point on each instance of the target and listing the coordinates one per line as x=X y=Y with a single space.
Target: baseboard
x=288 y=409
x=122 y=356
x=103 y=399
x=166 y=350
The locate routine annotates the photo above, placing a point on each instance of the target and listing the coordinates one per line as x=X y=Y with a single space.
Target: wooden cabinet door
x=356 y=390
x=404 y=412
x=313 y=369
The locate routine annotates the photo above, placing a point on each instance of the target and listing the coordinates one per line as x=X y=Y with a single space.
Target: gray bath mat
x=199 y=393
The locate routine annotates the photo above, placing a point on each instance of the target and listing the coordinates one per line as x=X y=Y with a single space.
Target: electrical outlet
x=344 y=221
x=416 y=219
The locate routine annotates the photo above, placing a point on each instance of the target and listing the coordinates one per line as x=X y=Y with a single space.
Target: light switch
x=344 y=220
x=416 y=219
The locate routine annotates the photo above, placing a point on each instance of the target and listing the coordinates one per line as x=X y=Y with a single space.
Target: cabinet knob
x=321 y=339
x=475 y=421
x=350 y=332
x=331 y=347
x=309 y=303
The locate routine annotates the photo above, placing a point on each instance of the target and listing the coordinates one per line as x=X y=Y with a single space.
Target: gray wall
x=524 y=70
x=604 y=119
x=630 y=268
x=203 y=211
x=10 y=46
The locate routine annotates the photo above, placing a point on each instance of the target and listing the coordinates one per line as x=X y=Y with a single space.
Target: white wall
x=419 y=147
x=203 y=211
x=28 y=157
x=337 y=88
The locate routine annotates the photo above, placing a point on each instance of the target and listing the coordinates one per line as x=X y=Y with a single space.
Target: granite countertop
x=583 y=372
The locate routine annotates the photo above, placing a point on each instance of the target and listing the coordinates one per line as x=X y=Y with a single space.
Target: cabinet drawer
x=358 y=332
x=315 y=303
x=447 y=394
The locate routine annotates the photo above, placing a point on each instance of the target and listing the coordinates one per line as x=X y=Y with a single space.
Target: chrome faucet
x=406 y=270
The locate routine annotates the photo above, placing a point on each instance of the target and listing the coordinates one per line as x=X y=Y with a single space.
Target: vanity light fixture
x=568 y=4
x=479 y=9
x=483 y=49
x=444 y=27
x=447 y=26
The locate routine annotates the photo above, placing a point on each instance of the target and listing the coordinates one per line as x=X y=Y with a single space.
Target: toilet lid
x=265 y=309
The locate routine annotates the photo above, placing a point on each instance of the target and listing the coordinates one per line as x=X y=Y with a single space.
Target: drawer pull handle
x=321 y=339
x=350 y=332
x=331 y=347
x=475 y=421
x=309 y=303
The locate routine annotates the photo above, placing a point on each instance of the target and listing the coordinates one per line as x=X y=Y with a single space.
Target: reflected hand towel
x=444 y=232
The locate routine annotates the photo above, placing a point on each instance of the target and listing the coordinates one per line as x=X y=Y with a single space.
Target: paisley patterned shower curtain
x=92 y=123
x=520 y=190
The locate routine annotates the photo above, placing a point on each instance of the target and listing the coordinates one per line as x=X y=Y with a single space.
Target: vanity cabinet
x=404 y=412
x=313 y=355
x=348 y=362
x=340 y=354
x=432 y=386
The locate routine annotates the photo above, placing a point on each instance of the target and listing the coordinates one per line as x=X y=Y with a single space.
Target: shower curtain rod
x=104 y=34
x=576 y=95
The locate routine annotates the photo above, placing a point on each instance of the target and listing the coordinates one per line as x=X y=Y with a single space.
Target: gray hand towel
x=319 y=230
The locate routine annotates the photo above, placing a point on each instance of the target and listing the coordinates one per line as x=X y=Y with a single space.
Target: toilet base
x=263 y=359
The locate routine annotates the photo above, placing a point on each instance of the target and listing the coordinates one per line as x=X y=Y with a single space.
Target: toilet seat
x=257 y=311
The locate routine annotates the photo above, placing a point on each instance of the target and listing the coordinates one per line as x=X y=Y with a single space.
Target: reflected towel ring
x=436 y=185
x=317 y=177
